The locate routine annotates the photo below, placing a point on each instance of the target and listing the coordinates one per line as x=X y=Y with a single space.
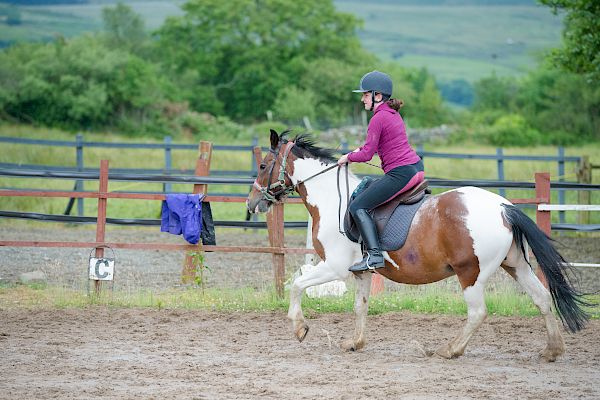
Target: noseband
x=279 y=188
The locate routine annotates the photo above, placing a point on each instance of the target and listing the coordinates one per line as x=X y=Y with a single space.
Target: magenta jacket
x=386 y=136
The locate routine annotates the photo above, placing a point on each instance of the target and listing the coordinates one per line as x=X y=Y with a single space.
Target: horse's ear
x=274 y=139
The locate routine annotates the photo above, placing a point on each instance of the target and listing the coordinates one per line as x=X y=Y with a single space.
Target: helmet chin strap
x=373 y=100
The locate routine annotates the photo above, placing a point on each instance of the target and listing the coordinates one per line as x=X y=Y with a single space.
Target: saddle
x=382 y=214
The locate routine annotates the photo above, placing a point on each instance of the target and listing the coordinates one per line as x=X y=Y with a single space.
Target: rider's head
x=376 y=88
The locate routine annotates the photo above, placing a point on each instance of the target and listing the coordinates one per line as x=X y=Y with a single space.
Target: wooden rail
x=274 y=222
x=275 y=219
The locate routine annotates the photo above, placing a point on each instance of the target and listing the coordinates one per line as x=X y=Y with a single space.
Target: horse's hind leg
x=476 y=314
x=472 y=275
x=516 y=265
x=361 y=308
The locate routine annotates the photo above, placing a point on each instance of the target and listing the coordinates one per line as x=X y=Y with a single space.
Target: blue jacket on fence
x=182 y=213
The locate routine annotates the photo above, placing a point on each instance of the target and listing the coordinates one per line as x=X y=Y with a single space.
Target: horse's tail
x=568 y=301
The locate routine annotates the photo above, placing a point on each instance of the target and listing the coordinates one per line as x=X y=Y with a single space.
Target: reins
x=340 y=230
x=283 y=188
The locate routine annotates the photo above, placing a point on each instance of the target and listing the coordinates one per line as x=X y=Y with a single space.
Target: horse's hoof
x=301 y=332
x=445 y=352
x=348 y=345
x=550 y=355
x=351 y=345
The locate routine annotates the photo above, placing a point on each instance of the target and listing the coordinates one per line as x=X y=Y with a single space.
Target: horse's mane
x=305 y=147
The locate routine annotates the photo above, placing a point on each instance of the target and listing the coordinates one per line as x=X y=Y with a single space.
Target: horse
x=468 y=232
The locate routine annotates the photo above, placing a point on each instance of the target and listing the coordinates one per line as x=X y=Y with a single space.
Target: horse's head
x=273 y=182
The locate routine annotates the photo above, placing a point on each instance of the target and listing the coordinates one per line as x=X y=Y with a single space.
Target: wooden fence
x=275 y=220
x=584 y=167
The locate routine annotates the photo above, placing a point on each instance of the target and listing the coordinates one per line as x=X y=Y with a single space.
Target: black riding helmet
x=376 y=82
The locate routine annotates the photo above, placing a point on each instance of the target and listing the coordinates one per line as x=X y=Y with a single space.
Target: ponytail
x=395 y=104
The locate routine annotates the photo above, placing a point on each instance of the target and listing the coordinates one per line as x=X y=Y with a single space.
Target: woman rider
x=386 y=136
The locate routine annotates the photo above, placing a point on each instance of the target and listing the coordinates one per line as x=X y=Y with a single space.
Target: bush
x=512 y=130
x=293 y=104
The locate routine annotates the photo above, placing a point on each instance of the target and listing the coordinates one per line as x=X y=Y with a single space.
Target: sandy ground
x=149 y=354
x=106 y=353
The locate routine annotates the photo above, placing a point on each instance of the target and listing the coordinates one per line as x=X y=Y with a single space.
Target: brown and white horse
x=468 y=231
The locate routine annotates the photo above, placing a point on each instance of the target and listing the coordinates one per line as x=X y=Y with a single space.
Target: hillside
x=455 y=39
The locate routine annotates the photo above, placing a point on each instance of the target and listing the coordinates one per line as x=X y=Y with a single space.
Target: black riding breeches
x=385 y=188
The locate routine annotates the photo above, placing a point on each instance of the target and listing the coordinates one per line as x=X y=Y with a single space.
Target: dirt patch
x=170 y=354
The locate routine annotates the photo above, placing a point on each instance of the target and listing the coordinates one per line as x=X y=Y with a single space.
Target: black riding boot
x=373 y=258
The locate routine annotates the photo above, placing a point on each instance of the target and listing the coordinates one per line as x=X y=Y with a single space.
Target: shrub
x=512 y=130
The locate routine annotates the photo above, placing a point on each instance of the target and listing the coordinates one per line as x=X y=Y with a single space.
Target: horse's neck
x=323 y=191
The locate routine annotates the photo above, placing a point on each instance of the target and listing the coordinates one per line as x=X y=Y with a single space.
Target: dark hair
x=395 y=104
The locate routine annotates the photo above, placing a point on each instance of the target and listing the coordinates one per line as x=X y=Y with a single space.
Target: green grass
x=424 y=299
x=457 y=41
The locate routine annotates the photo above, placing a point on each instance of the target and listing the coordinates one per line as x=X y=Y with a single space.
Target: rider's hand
x=344 y=160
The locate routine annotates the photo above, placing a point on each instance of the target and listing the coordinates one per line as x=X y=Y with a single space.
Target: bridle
x=277 y=191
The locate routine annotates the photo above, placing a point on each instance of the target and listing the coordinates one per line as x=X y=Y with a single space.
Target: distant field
x=456 y=42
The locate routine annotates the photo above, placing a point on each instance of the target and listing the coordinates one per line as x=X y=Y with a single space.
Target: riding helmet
x=376 y=81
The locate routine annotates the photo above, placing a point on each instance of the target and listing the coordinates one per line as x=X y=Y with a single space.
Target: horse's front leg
x=361 y=309
x=323 y=273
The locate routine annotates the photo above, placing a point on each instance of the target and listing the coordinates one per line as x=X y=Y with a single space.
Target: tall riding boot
x=373 y=258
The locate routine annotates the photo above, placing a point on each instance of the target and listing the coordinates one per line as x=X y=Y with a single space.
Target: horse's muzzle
x=258 y=205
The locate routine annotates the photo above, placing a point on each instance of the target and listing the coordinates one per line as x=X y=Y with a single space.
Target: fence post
x=275 y=229
x=500 y=160
x=168 y=163
x=254 y=162
x=101 y=220
x=543 y=218
x=276 y=238
x=79 y=183
x=561 y=178
x=202 y=169
x=344 y=146
x=584 y=175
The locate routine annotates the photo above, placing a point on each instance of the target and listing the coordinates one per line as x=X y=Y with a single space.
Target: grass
x=424 y=299
x=458 y=41
x=222 y=160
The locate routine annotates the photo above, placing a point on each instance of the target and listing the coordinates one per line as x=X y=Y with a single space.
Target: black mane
x=305 y=147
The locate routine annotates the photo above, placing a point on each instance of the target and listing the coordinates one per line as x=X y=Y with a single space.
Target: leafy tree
x=124 y=28
x=12 y=14
x=80 y=83
x=581 y=49
x=292 y=104
x=242 y=53
x=495 y=93
x=458 y=91
x=561 y=105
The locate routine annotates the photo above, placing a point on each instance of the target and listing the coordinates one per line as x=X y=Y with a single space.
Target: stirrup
x=364 y=265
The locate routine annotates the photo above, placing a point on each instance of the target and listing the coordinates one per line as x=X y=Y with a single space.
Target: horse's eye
x=262 y=166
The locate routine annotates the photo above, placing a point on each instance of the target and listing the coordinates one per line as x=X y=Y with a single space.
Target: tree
x=80 y=83
x=495 y=93
x=124 y=28
x=581 y=48
x=241 y=54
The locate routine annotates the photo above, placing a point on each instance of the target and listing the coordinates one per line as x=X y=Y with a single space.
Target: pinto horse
x=468 y=232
